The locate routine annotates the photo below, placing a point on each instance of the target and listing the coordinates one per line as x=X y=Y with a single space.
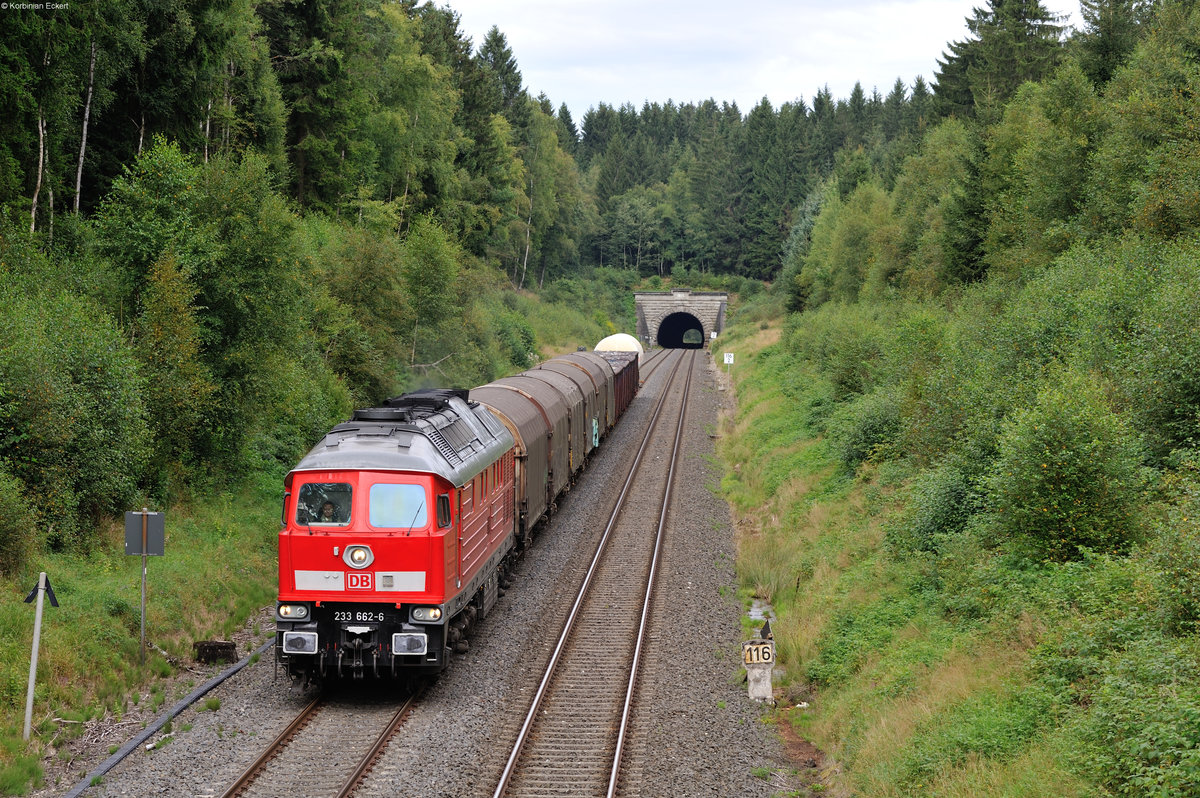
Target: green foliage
x=940 y=502
x=864 y=428
x=998 y=724
x=150 y=211
x=18 y=523
x=1067 y=474
x=75 y=431
x=855 y=635
x=1175 y=552
x=853 y=244
x=1143 y=176
x=1037 y=171
x=517 y=339
x=1159 y=372
x=925 y=190
x=428 y=270
x=1140 y=732
x=179 y=385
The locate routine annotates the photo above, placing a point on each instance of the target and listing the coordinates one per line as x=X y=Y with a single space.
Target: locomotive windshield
x=324 y=504
x=397 y=506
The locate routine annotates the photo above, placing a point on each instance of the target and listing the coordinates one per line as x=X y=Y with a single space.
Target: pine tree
x=1012 y=41
x=1111 y=30
x=497 y=58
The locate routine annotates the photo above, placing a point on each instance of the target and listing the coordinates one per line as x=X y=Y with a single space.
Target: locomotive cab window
x=443 y=510
x=324 y=504
x=397 y=506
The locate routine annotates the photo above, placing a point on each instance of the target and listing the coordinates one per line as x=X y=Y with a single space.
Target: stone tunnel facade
x=665 y=317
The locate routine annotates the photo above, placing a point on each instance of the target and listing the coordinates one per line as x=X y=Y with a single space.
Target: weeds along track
x=571 y=741
x=328 y=749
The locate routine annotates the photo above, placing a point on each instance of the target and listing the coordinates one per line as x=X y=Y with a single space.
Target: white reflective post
x=37 y=639
x=145 y=516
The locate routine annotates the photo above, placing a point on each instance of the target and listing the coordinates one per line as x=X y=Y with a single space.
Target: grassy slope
x=905 y=700
x=219 y=567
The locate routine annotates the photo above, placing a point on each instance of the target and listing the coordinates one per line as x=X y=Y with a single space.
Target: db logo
x=358 y=581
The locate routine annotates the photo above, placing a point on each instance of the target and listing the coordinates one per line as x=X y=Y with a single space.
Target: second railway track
x=571 y=739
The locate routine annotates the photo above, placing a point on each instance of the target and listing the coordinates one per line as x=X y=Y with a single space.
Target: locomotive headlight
x=427 y=613
x=292 y=612
x=358 y=556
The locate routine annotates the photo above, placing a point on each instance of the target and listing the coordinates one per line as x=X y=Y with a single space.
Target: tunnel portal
x=679 y=318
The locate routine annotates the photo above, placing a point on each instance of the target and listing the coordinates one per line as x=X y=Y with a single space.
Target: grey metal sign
x=155 y=529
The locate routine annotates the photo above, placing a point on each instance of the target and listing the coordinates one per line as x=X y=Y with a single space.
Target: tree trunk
x=207 y=128
x=37 y=189
x=87 y=111
x=528 y=223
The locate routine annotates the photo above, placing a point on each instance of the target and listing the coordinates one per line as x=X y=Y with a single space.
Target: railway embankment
x=946 y=661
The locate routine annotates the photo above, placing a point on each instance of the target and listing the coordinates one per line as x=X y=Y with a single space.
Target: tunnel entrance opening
x=681 y=331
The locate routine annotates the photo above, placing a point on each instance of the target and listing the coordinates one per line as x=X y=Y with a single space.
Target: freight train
x=401 y=526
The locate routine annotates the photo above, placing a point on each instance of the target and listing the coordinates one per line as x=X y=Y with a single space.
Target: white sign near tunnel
x=729 y=358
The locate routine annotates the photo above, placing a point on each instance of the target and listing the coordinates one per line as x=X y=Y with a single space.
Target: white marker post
x=728 y=361
x=759 y=658
x=43 y=587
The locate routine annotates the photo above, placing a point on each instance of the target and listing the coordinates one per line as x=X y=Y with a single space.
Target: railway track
x=651 y=363
x=574 y=733
x=326 y=750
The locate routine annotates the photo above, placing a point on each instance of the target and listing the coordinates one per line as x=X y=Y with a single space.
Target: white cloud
x=617 y=51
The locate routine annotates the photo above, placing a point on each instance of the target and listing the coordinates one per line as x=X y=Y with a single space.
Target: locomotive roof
x=434 y=431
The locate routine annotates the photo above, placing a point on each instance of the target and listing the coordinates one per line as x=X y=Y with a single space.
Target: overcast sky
x=584 y=52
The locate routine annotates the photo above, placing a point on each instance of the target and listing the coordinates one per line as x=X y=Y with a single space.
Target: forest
x=224 y=224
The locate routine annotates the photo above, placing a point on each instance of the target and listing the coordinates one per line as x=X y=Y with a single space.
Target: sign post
x=728 y=361
x=758 y=655
x=43 y=589
x=145 y=533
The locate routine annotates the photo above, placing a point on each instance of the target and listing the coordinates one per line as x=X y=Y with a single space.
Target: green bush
x=989 y=723
x=17 y=523
x=940 y=502
x=1142 y=732
x=865 y=427
x=74 y=429
x=1175 y=553
x=855 y=634
x=1160 y=371
x=517 y=339
x=1067 y=475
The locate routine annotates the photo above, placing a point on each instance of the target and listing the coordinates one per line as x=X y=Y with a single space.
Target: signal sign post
x=145 y=534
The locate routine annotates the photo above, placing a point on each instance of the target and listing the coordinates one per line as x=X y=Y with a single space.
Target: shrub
x=1161 y=371
x=1175 y=554
x=74 y=427
x=863 y=427
x=17 y=523
x=1067 y=474
x=1141 y=729
x=940 y=502
x=989 y=723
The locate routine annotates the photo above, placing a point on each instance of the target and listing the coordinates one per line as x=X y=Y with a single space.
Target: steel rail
x=273 y=749
x=381 y=742
x=635 y=665
x=569 y=624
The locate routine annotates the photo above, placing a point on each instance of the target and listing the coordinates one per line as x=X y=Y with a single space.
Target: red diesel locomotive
x=400 y=526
